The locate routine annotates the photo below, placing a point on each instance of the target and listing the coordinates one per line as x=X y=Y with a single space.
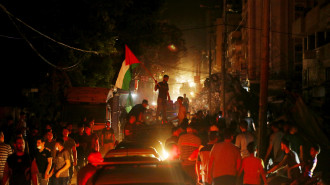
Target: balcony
x=309 y=54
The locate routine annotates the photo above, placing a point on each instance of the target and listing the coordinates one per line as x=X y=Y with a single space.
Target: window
x=320 y=39
x=327 y=74
x=298 y=47
x=311 y=42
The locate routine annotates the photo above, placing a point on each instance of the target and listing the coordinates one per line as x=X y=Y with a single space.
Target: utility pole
x=223 y=62
x=264 y=77
x=210 y=73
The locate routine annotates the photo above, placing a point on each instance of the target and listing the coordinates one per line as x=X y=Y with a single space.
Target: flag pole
x=148 y=71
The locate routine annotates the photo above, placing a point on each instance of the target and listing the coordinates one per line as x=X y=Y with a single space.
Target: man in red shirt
x=253 y=167
x=225 y=161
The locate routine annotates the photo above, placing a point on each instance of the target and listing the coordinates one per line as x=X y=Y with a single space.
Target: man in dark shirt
x=290 y=159
x=70 y=146
x=107 y=138
x=186 y=102
x=138 y=110
x=163 y=94
x=295 y=140
x=19 y=168
x=43 y=158
x=81 y=144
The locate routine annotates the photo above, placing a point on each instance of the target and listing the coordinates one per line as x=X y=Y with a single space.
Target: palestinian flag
x=125 y=76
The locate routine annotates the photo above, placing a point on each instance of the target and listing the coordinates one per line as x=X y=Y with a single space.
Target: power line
x=44 y=35
x=35 y=50
x=10 y=37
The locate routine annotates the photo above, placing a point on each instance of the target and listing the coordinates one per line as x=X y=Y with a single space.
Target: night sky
x=22 y=68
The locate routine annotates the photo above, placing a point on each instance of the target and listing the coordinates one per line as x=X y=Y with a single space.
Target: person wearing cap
x=108 y=139
x=163 y=96
x=86 y=172
x=138 y=111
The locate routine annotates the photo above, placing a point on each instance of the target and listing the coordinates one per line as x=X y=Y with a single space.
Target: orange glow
x=171 y=47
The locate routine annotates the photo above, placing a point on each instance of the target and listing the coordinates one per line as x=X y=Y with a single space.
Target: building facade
x=311 y=31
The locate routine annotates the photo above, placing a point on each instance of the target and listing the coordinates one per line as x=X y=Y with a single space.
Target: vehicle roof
x=122 y=152
x=132 y=149
x=140 y=173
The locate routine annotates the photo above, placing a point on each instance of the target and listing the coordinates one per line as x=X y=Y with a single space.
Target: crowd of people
x=211 y=149
x=49 y=154
x=228 y=156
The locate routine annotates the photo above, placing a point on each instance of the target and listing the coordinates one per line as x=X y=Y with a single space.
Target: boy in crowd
x=253 y=167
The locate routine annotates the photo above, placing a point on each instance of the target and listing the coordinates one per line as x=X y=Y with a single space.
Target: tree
x=96 y=25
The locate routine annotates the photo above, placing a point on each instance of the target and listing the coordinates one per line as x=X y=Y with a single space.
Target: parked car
x=132 y=172
x=133 y=163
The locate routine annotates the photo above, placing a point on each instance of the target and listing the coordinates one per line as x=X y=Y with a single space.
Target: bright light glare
x=192 y=84
x=171 y=47
x=134 y=95
x=164 y=154
x=153 y=103
x=192 y=94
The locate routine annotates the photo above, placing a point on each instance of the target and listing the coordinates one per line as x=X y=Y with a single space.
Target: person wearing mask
x=61 y=164
x=19 y=168
x=43 y=159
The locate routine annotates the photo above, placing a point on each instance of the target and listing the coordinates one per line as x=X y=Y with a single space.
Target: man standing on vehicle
x=163 y=94
x=186 y=102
